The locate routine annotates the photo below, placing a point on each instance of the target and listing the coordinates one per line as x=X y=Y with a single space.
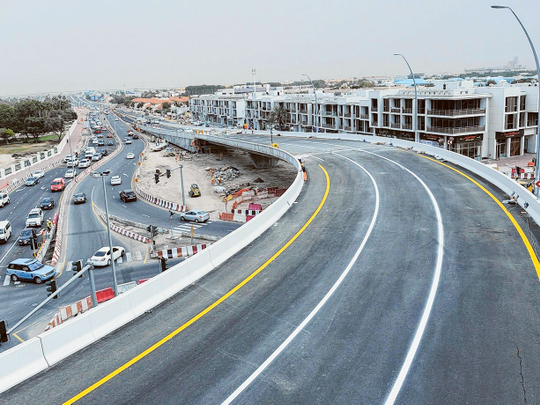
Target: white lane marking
x=432 y=293
x=9 y=250
x=119 y=260
x=282 y=347
x=6 y=281
x=128 y=256
x=69 y=264
x=138 y=255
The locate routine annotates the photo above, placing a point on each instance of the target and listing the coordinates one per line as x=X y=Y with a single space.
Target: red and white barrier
x=184 y=251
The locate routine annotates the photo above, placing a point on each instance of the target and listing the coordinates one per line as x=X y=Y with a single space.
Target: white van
x=5 y=231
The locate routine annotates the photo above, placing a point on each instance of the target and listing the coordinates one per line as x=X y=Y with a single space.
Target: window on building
x=532 y=119
x=511 y=104
x=522 y=103
x=386 y=105
x=510 y=121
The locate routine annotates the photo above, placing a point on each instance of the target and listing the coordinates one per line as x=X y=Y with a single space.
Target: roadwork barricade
x=105 y=294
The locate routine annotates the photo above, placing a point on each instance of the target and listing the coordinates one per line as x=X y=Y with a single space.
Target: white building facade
x=479 y=122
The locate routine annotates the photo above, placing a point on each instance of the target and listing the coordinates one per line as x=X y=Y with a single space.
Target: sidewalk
x=76 y=138
x=505 y=165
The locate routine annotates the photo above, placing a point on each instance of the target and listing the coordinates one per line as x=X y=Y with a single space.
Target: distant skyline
x=63 y=46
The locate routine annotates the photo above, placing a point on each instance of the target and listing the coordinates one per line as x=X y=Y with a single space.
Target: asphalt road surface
x=409 y=283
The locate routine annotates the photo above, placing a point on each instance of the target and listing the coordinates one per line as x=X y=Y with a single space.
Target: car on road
x=72 y=162
x=109 y=135
x=70 y=174
x=97 y=130
x=26 y=235
x=128 y=195
x=130 y=155
x=29 y=269
x=84 y=163
x=103 y=256
x=103 y=152
x=38 y=174
x=101 y=142
x=46 y=203
x=116 y=180
x=31 y=181
x=194 y=191
x=66 y=158
x=128 y=141
x=58 y=184
x=130 y=132
x=110 y=143
x=116 y=118
x=104 y=128
x=5 y=231
x=79 y=198
x=94 y=141
x=4 y=198
x=96 y=157
x=35 y=217
x=135 y=136
x=195 y=215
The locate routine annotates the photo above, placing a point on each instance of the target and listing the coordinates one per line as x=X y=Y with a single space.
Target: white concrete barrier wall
x=21 y=362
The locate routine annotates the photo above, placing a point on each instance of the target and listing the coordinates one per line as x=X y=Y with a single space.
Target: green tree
x=166 y=106
x=6 y=134
x=7 y=116
x=279 y=116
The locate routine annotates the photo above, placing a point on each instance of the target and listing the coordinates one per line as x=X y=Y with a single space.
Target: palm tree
x=279 y=116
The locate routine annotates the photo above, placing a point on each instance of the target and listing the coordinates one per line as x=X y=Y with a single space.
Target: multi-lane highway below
x=393 y=277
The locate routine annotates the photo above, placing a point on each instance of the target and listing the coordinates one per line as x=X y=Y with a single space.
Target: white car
x=103 y=256
x=116 y=180
x=70 y=174
x=72 y=163
x=130 y=155
x=116 y=119
x=34 y=218
x=66 y=158
x=84 y=163
x=95 y=141
x=38 y=174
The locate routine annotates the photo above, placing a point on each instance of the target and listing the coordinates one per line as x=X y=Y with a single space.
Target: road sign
x=537 y=183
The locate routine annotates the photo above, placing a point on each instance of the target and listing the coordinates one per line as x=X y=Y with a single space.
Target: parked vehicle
x=194 y=191
x=38 y=174
x=195 y=215
x=29 y=269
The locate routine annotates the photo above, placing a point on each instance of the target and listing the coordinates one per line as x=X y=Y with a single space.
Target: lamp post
x=537 y=163
x=103 y=175
x=182 y=185
x=316 y=112
x=415 y=106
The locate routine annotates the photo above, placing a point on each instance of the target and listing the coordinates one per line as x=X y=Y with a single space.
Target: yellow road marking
x=528 y=245
x=209 y=308
x=26 y=327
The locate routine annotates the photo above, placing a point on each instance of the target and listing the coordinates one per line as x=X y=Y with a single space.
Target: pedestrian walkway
x=186 y=227
x=506 y=164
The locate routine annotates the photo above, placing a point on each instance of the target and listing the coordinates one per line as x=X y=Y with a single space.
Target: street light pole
x=415 y=106
x=315 y=113
x=537 y=163
x=182 y=185
x=103 y=175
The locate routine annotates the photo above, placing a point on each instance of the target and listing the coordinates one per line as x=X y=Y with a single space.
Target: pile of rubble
x=224 y=174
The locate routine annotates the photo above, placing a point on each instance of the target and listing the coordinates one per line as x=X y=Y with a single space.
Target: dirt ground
x=196 y=169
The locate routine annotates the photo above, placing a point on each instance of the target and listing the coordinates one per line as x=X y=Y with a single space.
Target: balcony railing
x=394 y=125
x=374 y=123
x=407 y=110
x=406 y=126
x=374 y=109
x=329 y=126
x=364 y=116
x=456 y=130
x=347 y=114
x=395 y=110
x=455 y=113
x=329 y=114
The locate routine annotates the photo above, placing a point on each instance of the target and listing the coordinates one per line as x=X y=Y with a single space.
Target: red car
x=97 y=131
x=109 y=136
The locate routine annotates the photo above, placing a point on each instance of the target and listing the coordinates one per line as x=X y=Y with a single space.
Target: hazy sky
x=57 y=45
